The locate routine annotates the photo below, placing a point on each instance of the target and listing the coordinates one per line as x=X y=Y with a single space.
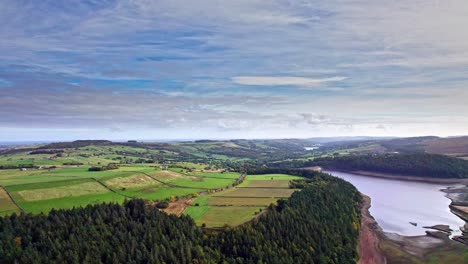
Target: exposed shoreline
x=369 y=236
x=379 y=247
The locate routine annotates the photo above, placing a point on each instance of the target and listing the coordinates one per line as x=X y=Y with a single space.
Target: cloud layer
x=282 y=81
x=191 y=69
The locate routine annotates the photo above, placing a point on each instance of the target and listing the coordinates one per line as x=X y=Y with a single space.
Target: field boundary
x=234 y=205
x=251 y=197
x=11 y=197
x=33 y=183
x=110 y=189
x=173 y=185
x=246 y=187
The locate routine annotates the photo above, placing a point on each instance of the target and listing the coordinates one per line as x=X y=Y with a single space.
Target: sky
x=171 y=69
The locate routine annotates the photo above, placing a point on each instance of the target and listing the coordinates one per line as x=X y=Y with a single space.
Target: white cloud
x=283 y=80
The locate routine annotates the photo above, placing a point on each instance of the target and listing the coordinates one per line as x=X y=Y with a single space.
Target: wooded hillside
x=423 y=165
x=319 y=224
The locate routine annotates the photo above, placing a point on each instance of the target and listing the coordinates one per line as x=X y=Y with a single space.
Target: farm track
x=13 y=200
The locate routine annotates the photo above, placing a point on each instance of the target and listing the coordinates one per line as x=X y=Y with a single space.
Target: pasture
x=265 y=184
x=256 y=192
x=220 y=216
x=7 y=206
x=40 y=190
x=240 y=204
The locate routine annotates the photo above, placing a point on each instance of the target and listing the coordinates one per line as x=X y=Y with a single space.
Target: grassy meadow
x=41 y=190
x=240 y=204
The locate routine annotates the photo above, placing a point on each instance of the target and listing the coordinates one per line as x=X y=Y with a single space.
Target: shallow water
x=395 y=203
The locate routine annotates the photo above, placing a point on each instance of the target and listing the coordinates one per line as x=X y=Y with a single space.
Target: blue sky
x=140 y=69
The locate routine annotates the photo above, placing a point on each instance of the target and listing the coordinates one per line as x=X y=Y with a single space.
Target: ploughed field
x=41 y=190
x=241 y=203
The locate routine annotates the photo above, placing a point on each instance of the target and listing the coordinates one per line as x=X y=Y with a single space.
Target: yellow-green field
x=134 y=181
x=263 y=192
x=41 y=190
x=85 y=188
x=7 y=206
x=238 y=205
x=267 y=184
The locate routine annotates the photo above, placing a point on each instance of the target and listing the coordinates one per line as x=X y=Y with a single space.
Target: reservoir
x=395 y=203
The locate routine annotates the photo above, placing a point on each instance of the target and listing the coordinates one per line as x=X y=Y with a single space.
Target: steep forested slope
x=424 y=165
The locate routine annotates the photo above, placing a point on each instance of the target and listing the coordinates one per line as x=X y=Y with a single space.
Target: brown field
x=268 y=184
x=170 y=175
x=7 y=206
x=458 y=145
x=239 y=201
x=178 y=207
x=134 y=181
x=255 y=192
x=62 y=191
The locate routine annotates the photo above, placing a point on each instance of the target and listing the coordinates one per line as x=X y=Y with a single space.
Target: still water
x=397 y=203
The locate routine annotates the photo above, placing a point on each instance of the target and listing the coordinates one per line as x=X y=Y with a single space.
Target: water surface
x=395 y=203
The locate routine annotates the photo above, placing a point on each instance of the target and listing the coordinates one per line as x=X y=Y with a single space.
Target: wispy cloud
x=283 y=80
x=173 y=65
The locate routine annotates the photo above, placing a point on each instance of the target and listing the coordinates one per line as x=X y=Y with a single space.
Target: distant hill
x=323 y=140
x=75 y=144
x=457 y=146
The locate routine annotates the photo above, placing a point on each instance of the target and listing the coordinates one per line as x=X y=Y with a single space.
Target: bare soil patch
x=369 y=251
x=178 y=207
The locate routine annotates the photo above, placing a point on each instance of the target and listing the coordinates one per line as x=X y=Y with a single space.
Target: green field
x=240 y=204
x=219 y=216
x=40 y=190
x=7 y=206
x=265 y=184
x=256 y=192
x=203 y=183
x=159 y=192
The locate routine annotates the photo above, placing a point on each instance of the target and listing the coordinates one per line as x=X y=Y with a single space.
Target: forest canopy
x=423 y=165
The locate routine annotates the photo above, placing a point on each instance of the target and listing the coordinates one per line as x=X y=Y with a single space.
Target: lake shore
x=369 y=236
x=406 y=177
x=376 y=246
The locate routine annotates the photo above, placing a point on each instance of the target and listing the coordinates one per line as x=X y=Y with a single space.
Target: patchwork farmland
x=41 y=190
x=194 y=189
x=242 y=203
